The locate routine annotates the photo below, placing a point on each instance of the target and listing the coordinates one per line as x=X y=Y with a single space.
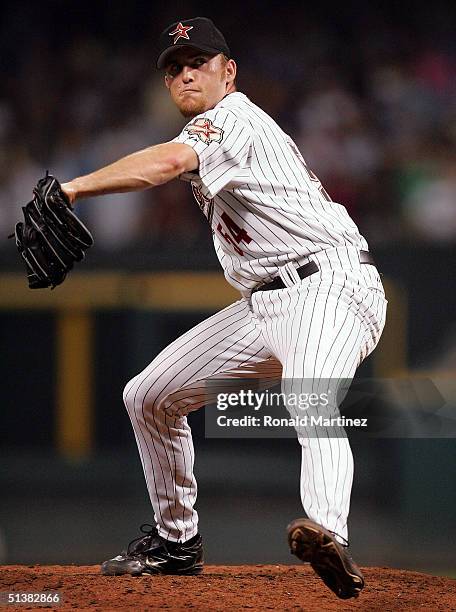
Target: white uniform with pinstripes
x=269 y=215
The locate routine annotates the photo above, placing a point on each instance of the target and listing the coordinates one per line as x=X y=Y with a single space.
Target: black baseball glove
x=51 y=237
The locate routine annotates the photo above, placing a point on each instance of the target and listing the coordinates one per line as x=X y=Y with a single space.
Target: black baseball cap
x=199 y=32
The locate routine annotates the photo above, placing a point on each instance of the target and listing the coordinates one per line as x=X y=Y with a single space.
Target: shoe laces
x=143 y=543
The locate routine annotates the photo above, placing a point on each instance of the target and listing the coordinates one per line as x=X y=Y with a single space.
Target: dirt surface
x=252 y=587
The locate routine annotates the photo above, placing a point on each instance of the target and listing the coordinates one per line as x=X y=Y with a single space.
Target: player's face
x=198 y=81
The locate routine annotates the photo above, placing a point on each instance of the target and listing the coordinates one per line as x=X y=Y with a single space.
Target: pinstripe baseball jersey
x=264 y=205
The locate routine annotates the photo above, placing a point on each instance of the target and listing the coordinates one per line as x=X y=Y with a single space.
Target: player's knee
x=141 y=398
x=137 y=395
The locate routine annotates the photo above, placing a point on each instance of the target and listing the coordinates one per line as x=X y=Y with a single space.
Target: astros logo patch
x=205 y=130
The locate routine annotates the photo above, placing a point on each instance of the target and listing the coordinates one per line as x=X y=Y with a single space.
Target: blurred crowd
x=370 y=99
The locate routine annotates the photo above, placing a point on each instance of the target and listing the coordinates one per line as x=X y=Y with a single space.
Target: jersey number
x=237 y=234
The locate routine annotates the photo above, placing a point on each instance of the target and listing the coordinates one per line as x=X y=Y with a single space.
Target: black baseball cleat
x=311 y=542
x=152 y=554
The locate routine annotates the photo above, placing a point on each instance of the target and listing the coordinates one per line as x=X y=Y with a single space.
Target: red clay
x=240 y=587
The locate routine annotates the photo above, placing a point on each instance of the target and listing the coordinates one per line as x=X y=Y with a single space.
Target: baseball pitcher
x=311 y=305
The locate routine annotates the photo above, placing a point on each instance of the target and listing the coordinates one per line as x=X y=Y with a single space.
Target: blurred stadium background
x=368 y=92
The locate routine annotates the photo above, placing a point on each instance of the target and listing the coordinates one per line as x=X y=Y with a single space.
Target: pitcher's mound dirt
x=240 y=587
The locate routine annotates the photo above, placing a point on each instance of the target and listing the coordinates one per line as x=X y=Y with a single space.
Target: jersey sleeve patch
x=222 y=142
x=203 y=129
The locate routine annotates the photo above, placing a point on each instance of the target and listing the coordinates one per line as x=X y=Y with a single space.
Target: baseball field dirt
x=252 y=587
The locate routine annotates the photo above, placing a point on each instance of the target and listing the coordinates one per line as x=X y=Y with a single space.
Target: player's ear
x=231 y=70
x=167 y=80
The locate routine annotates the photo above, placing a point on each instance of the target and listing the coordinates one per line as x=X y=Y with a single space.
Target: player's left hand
x=51 y=237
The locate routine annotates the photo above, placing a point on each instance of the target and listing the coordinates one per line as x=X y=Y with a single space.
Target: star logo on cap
x=181 y=31
x=205 y=130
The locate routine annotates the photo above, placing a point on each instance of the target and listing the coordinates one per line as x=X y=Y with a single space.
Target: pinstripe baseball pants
x=321 y=327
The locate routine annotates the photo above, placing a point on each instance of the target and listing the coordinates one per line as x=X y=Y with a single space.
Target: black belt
x=306 y=270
